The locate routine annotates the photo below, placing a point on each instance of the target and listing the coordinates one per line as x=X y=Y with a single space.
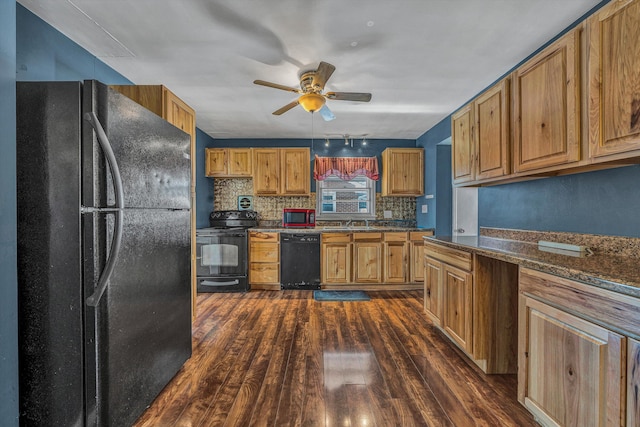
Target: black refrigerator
x=104 y=313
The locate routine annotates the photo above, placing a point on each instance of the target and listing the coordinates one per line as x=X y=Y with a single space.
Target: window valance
x=345 y=168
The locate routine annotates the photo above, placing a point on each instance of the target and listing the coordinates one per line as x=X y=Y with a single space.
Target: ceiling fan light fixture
x=311 y=102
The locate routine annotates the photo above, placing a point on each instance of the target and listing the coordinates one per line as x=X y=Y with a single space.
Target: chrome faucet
x=348 y=223
x=366 y=223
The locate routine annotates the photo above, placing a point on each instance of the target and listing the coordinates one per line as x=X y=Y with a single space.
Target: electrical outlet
x=425 y=208
x=387 y=214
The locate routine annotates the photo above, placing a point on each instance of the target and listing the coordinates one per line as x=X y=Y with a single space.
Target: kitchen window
x=338 y=199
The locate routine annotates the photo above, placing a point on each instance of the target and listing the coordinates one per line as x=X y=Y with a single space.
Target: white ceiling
x=421 y=59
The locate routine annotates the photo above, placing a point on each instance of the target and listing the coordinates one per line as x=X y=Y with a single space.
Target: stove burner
x=228 y=219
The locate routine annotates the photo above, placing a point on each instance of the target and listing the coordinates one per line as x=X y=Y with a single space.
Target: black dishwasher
x=300 y=260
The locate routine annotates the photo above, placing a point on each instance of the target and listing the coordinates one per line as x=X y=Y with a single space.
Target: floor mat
x=340 y=296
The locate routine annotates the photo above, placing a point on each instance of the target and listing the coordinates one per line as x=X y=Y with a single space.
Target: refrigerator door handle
x=103 y=281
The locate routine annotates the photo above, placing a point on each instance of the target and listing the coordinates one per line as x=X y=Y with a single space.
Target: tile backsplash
x=227 y=190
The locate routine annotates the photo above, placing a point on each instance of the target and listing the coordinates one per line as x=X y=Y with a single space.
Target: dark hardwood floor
x=268 y=358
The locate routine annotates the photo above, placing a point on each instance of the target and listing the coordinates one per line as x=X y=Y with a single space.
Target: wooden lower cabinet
x=572 y=371
x=633 y=382
x=457 y=296
x=264 y=260
x=573 y=368
x=367 y=262
x=473 y=300
x=371 y=260
x=335 y=258
x=395 y=255
x=433 y=290
x=416 y=255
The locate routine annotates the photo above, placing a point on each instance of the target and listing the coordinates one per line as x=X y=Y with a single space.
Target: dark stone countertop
x=331 y=229
x=608 y=271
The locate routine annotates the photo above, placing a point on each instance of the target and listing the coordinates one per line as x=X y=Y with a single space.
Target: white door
x=465 y=211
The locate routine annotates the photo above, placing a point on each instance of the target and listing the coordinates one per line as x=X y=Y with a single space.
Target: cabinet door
x=433 y=279
x=416 y=267
x=367 y=262
x=239 y=162
x=295 y=175
x=336 y=263
x=266 y=172
x=633 y=383
x=179 y=114
x=463 y=152
x=546 y=107
x=573 y=368
x=395 y=262
x=216 y=162
x=614 y=61
x=403 y=172
x=457 y=295
x=491 y=111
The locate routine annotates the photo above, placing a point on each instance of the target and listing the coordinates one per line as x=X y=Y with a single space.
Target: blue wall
x=45 y=54
x=602 y=202
x=8 y=242
x=437 y=179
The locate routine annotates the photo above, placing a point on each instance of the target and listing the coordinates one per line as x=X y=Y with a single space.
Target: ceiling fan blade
x=322 y=74
x=326 y=113
x=276 y=86
x=286 y=108
x=349 y=96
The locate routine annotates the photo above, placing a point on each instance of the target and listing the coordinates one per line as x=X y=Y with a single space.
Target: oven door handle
x=210 y=283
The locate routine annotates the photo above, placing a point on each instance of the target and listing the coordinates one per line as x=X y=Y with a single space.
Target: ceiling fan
x=311 y=97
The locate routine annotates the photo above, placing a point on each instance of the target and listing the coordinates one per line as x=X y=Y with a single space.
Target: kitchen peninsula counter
x=613 y=265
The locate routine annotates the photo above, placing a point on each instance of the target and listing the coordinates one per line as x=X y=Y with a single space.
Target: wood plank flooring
x=268 y=358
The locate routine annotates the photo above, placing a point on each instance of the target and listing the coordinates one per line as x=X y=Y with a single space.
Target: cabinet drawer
x=367 y=237
x=264 y=252
x=395 y=237
x=417 y=236
x=336 y=237
x=264 y=237
x=610 y=309
x=264 y=273
x=455 y=257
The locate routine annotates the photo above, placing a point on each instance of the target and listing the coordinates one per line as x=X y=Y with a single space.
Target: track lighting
x=348 y=139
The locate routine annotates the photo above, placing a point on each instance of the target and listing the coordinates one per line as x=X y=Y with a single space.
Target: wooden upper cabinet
x=281 y=171
x=463 y=151
x=480 y=136
x=178 y=113
x=216 y=161
x=266 y=171
x=614 y=81
x=240 y=162
x=491 y=134
x=229 y=162
x=546 y=119
x=403 y=172
x=295 y=171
